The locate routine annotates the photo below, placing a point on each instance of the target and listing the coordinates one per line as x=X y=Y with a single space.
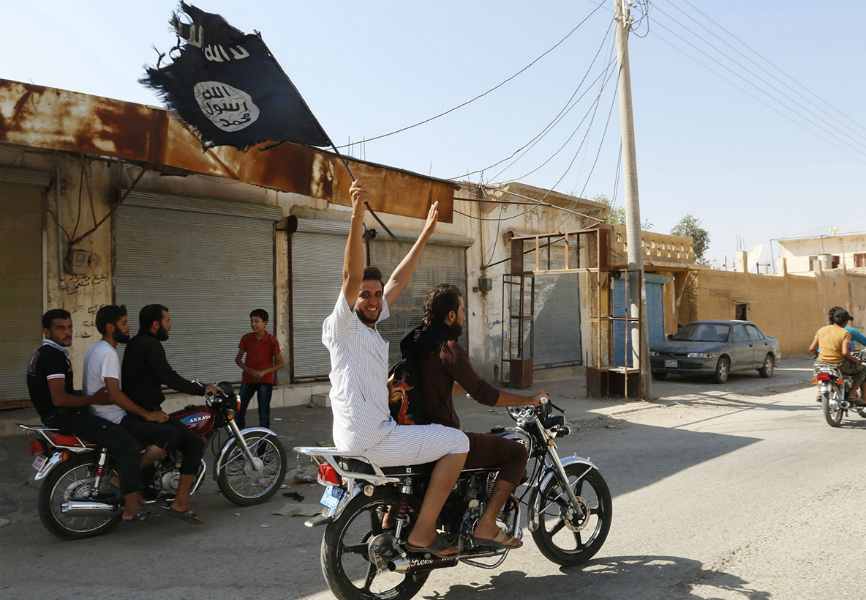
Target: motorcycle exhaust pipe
x=90 y=509
x=413 y=564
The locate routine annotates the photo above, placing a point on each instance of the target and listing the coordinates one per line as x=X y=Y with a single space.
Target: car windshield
x=703 y=332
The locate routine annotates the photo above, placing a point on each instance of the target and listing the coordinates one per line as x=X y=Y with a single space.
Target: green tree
x=690 y=226
x=616 y=216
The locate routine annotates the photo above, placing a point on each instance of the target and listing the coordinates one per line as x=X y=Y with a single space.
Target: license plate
x=670 y=364
x=38 y=462
x=332 y=496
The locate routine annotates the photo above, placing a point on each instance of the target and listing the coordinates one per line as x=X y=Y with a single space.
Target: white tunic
x=359 y=378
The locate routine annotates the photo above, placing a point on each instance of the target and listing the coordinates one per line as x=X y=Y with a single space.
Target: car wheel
x=723 y=369
x=659 y=375
x=767 y=370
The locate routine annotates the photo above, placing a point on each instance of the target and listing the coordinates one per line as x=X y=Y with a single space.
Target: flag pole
x=327 y=137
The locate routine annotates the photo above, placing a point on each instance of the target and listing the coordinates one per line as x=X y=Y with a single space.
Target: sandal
x=502 y=540
x=142 y=516
x=186 y=515
x=436 y=548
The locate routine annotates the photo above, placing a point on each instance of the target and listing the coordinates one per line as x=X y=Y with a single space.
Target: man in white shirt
x=102 y=369
x=359 y=378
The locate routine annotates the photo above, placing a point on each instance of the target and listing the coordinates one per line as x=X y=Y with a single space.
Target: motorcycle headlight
x=700 y=355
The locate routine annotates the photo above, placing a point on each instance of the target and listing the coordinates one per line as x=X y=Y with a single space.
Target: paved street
x=717 y=494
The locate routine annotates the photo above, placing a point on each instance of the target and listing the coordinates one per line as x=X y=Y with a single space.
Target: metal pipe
x=57 y=220
x=90 y=509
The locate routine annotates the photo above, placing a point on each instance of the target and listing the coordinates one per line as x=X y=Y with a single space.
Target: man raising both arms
x=359 y=380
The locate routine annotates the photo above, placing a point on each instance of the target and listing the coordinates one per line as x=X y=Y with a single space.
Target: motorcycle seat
x=359 y=466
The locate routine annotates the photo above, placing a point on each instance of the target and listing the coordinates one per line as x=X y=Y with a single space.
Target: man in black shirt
x=145 y=370
x=49 y=381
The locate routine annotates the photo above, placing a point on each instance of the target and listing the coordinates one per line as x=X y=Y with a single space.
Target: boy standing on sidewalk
x=263 y=358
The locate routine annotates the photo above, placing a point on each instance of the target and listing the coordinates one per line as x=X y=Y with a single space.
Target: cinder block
x=320 y=400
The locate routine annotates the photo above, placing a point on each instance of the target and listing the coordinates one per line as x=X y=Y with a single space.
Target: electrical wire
x=450 y=110
x=556 y=120
x=606 y=78
x=771 y=64
x=748 y=93
x=762 y=80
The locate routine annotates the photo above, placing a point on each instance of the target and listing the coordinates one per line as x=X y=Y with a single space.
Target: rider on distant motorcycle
x=832 y=346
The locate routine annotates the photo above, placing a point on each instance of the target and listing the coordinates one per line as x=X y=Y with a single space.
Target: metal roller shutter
x=318 y=248
x=317 y=277
x=210 y=262
x=21 y=195
x=557 y=321
x=439 y=264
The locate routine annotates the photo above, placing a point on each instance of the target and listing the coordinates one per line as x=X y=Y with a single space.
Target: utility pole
x=637 y=292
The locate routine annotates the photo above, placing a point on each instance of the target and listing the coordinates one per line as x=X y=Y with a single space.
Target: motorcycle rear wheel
x=554 y=538
x=830 y=405
x=345 y=562
x=242 y=484
x=73 y=480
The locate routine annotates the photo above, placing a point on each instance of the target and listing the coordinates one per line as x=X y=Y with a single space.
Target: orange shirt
x=831 y=341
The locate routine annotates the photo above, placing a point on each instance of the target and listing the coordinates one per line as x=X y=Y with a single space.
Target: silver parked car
x=716 y=348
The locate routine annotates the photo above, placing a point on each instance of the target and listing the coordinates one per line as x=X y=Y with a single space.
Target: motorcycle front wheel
x=830 y=405
x=345 y=560
x=74 y=480
x=562 y=536
x=245 y=483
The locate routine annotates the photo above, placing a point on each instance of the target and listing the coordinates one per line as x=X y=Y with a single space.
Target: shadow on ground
x=644 y=577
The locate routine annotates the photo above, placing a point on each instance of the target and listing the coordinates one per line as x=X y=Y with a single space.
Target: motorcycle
x=836 y=389
x=569 y=508
x=78 y=500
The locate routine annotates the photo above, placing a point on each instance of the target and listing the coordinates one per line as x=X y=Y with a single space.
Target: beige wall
x=789 y=306
x=797 y=252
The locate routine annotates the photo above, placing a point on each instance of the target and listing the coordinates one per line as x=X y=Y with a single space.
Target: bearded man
x=145 y=370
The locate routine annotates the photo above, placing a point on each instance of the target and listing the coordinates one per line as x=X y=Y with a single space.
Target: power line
x=762 y=80
x=605 y=81
x=496 y=87
x=772 y=65
x=556 y=120
x=757 y=88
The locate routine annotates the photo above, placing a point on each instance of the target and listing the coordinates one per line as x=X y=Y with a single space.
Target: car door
x=760 y=345
x=741 y=349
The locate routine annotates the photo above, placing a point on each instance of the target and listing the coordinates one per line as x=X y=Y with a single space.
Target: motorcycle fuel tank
x=198 y=418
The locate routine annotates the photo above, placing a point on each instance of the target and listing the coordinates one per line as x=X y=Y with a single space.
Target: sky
x=779 y=152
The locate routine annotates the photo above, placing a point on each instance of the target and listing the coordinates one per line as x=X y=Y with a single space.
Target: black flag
x=228 y=86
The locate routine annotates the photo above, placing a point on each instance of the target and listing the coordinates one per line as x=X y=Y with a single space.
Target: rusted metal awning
x=52 y=119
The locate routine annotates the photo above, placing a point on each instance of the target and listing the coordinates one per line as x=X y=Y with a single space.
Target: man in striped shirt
x=359 y=380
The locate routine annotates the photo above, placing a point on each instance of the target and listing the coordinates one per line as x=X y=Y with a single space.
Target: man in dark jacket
x=443 y=361
x=145 y=370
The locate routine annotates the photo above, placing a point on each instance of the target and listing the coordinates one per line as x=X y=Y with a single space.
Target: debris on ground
x=306 y=474
x=295 y=495
x=293 y=509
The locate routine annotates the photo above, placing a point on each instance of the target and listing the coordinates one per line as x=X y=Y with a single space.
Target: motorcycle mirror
x=227 y=388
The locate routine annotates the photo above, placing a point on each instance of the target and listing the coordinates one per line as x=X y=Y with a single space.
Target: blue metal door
x=655 y=315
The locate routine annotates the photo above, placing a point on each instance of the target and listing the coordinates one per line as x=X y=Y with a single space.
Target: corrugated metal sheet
x=40 y=117
x=210 y=269
x=20 y=279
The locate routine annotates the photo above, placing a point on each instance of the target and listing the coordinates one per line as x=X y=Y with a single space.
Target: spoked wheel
x=345 y=551
x=70 y=481
x=567 y=536
x=247 y=484
x=832 y=410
